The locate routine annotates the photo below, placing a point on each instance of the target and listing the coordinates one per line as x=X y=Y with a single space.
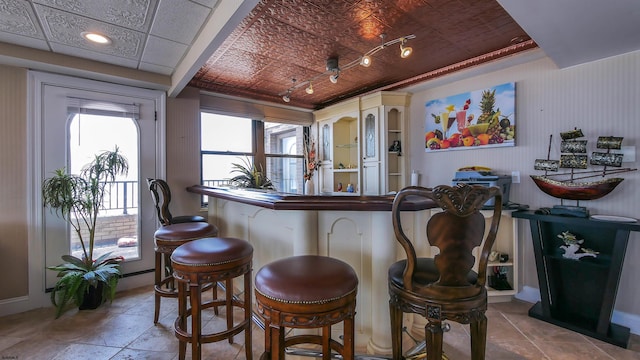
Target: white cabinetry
x=338 y=129
x=361 y=143
x=384 y=115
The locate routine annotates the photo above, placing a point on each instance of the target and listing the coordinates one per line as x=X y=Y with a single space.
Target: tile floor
x=125 y=330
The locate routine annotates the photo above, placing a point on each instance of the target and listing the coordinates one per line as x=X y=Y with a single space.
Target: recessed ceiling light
x=96 y=38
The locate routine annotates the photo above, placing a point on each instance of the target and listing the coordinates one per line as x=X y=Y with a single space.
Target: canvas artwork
x=477 y=119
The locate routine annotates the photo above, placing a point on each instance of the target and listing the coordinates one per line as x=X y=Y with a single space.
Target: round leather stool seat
x=307 y=291
x=167 y=238
x=203 y=261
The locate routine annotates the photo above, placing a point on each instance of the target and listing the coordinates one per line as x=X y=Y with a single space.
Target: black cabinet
x=579 y=294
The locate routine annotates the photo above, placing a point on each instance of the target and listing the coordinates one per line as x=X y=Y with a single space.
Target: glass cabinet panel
x=370 y=136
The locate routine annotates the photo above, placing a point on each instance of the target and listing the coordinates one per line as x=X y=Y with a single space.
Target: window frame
x=258 y=153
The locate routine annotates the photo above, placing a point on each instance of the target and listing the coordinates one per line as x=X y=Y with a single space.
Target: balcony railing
x=122 y=196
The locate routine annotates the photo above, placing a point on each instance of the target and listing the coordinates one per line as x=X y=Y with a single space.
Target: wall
x=13 y=192
x=183 y=151
x=600 y=97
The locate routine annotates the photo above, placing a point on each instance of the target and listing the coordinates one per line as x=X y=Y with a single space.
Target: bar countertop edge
x=285 y=201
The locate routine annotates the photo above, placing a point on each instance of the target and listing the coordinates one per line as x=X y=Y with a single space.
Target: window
x=283 y=152
x=226 y=140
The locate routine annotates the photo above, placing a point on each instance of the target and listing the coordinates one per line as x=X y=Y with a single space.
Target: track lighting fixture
x=309 y=89
x=365 y=60
x=405 y=52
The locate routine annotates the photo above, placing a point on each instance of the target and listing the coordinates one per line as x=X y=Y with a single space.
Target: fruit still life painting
x=475 y=119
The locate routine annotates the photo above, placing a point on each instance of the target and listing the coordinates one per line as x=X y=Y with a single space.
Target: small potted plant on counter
x=77 y=199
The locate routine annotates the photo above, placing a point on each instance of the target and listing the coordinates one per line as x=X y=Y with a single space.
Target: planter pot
x=92 y=298
x=308 y=187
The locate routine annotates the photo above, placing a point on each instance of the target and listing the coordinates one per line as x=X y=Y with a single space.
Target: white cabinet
x=384 y=115
x=361 y=142
x=338 y=132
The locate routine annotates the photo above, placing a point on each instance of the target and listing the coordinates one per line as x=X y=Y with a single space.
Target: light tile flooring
x=125 y=330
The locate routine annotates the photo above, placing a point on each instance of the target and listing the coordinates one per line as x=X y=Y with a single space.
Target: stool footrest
x=184 y=335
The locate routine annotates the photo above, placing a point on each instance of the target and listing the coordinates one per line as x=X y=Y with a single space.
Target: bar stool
x=307 y=292
x=197 y=263
x=167 y=238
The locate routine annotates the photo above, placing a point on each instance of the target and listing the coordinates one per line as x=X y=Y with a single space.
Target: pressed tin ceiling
x=282 y=44
x=254 y=48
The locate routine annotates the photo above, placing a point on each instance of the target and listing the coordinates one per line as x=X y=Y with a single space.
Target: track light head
x=286 y=98
x=405 y=52
x=309 y=89
x=334 y=78
x=365 y=61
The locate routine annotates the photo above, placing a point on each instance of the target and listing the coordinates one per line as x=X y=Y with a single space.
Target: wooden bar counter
x=355 y=229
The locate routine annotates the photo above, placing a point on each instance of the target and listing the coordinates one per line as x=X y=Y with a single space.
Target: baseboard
x=632 y=321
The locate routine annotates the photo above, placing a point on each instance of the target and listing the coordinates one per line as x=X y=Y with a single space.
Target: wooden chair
x=173 y=232
x=445 y=287
x=161 y=195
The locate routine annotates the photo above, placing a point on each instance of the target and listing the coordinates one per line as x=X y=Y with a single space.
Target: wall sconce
x=333 y=70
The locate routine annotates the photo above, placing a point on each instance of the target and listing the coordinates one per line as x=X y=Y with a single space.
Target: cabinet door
x=325 y=172
x=371 y=178
x=370 y=135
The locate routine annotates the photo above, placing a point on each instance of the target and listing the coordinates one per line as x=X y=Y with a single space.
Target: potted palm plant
x=249 y=176
x=77 y=199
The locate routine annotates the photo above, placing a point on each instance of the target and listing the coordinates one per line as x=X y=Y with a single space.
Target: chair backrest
x=161 y=198
x=456 y=231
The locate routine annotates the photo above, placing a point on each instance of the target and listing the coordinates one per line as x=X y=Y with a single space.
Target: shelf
x=495 y=263
x=345 y=170
x=395 y=131
x=346 y=146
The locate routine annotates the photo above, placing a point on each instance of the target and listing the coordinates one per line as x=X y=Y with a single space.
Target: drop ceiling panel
x=163 y=52
x=64 y=31
x=135 y=15
x=179 y=21
x=18 y=18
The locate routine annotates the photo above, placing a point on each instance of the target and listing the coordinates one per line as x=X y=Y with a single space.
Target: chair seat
x=177 y=234
x=425 y=273
x=306 y=280
x=307 y=292
x=207 y=252
x=187 y=218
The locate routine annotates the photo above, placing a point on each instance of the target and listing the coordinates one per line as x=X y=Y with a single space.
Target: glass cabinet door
x=326 y=142
x=370 y=136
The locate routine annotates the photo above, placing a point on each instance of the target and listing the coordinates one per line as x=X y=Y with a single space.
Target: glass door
x=77 y=124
